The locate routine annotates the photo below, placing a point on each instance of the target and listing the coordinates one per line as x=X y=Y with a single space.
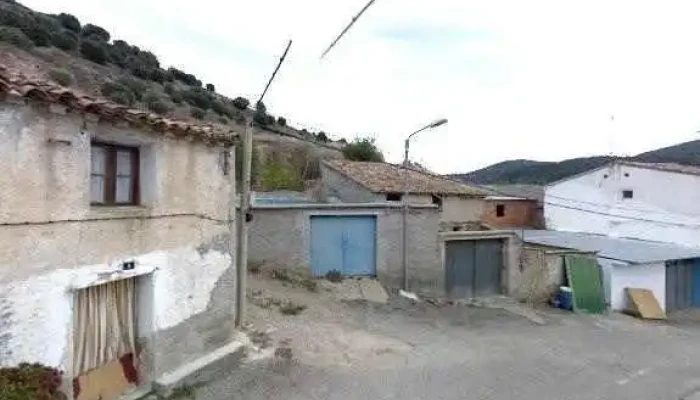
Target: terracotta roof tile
x=15 y=83
x=383 y=177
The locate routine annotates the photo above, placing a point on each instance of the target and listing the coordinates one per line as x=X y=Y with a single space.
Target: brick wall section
x=282 y=236
x=518 y=213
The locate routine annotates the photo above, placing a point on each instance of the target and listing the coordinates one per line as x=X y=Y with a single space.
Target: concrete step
x=202 y=370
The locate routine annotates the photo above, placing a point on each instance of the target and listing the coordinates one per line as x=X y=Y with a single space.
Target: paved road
x=421 y=352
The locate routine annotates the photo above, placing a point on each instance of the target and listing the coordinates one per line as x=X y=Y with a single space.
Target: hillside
x=85 y=57
x=541 y=172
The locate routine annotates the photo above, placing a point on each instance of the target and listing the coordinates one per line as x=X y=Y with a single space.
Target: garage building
x=670 y=271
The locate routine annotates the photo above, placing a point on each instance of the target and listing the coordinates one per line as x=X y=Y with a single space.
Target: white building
x=658 y=202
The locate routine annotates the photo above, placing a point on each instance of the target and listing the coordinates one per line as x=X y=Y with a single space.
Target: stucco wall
x=52 y=239
x=646 y=276
x=455 y=208
x=282 y=236
x=665 y=206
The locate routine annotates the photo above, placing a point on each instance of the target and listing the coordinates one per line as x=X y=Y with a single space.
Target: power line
x=347 y=28
x=284 y=55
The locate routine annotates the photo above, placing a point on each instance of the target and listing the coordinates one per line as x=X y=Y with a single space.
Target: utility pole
x=404 y=199
x=244 y=215
x=347 y=28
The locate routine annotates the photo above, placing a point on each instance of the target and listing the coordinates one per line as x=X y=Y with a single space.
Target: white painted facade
x=53 y=241
x=181 y=282
x=665 y=206
x=618 y=275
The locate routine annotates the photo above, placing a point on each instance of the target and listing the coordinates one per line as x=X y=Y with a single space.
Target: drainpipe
x=242 y=224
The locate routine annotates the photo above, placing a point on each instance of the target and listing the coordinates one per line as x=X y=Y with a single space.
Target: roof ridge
x=16 y=83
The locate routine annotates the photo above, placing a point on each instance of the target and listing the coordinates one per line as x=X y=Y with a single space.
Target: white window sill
x=98 y=212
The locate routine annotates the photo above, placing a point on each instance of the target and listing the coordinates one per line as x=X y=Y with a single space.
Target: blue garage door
x=343 y=243
x=695 y=301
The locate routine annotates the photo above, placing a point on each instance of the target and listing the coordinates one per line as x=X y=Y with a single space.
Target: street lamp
x=404 y=197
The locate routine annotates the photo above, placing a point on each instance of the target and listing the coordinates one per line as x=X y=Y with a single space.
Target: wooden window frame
x=110 y=177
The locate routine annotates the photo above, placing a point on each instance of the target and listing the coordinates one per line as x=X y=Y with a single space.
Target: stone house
x=358 y=182
x=115 y=215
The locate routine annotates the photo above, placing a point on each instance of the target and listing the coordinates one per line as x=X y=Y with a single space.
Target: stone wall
x=541 y=273
x=281 y=235
x=52 y=240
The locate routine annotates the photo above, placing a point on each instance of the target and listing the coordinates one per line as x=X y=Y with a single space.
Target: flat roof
x=624 y=249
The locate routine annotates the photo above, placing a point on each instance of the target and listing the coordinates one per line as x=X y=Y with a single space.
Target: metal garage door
x=343 y=243
x=473 y=267
x=682 y=284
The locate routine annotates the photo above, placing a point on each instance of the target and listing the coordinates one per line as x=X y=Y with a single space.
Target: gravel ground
x=401 y=350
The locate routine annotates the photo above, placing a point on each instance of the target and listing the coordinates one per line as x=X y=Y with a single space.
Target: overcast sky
x=535 y=79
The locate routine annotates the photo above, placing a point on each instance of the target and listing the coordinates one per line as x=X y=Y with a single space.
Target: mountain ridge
x=526 y=171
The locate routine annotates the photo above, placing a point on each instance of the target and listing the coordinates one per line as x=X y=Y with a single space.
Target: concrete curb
x=210 y=367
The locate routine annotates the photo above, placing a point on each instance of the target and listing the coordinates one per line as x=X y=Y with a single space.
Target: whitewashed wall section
x=36 y=313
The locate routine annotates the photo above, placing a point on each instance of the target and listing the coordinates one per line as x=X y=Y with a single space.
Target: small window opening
x=393 y=196
x=627 y=194
x=437 y=200
x=500 y=210
x=114 y=174
x=627 y=174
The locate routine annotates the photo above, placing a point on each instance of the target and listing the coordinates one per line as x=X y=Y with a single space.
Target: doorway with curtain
x=104 y=340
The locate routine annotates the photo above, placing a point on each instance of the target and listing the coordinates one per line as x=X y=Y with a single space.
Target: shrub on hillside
x=222 y=108
x=322 y=137
x=95 y=32
x=363 y=149
x=48 y=22
x=16 y=18
x=176 y=97
x=158 y=75
x=16 y=37
x=281 y=121
x=94 y=51
x=184 y=77
x=39 y=35
x=118 y=93
x=198 y=97
x=263 y=119
x=69 y=22
x=223 y=120
x=61 y=76
x=241 y=103
x=137 y=87
x=198 y=113
x=156 y=104
x=169 y=88
x=64 y=41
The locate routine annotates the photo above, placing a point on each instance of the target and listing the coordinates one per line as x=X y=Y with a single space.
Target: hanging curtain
x=104 y=328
